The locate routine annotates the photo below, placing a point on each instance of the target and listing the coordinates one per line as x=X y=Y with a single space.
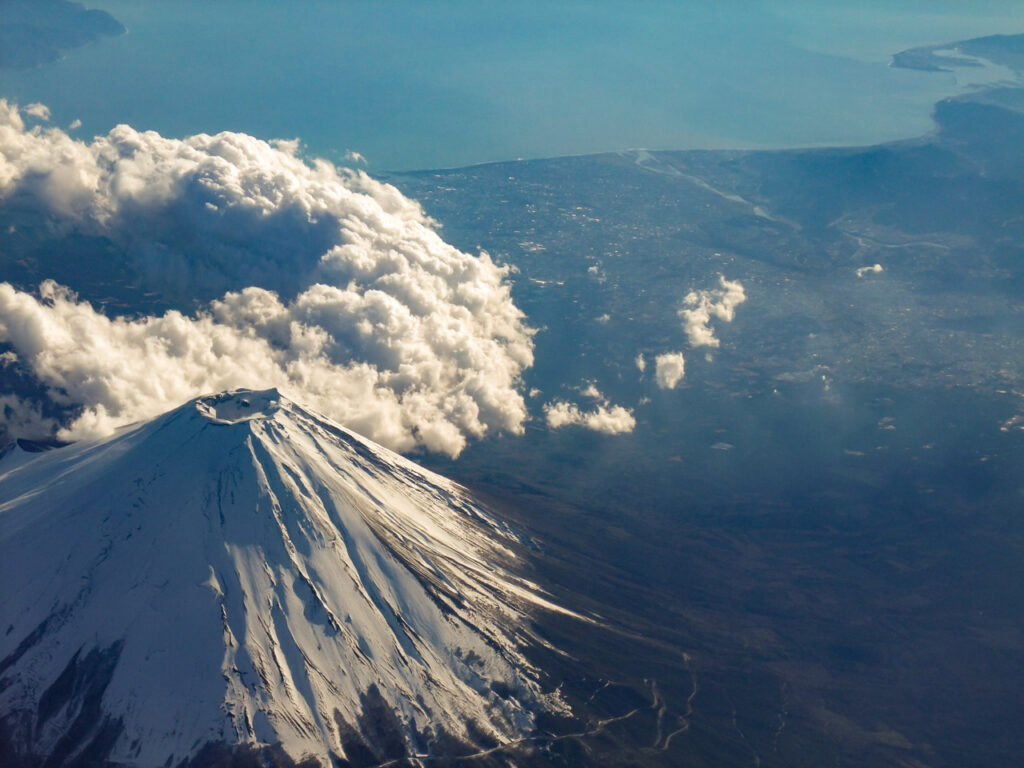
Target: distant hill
x=1007 y=50
x=34 y=32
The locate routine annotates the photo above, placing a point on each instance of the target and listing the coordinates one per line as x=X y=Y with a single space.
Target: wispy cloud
x=38 y=111
x=875 y=268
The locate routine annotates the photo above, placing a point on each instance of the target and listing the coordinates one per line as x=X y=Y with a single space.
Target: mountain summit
x=243 y=575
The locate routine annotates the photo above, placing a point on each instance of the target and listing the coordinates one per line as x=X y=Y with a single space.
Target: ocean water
x=412 y=85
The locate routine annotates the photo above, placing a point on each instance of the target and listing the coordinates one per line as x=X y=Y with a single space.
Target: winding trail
x=685 y=717
x=783 y=712
x=422 y=759
x=661 y=742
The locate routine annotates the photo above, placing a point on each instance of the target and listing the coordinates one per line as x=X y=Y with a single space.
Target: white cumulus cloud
x=325 y=283
x=699 y=307
x=604 y=417
x=669 y=369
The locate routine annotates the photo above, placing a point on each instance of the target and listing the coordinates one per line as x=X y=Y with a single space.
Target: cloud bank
x=322 y=282
x=699 y=307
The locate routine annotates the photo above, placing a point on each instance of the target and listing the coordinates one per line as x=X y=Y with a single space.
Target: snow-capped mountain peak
x=241 y=571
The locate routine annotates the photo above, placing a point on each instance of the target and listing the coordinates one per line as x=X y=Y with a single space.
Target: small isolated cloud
x=609 y=419
x=641 y=364
x=699 y=307
x=875 y=268
x=352 y=156
x=669 y=369
x=325 y=283
x=604 y=417
x=75 y=124
x=38 y=111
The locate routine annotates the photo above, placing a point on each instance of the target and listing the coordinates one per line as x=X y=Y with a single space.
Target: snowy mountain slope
x=242 y=571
